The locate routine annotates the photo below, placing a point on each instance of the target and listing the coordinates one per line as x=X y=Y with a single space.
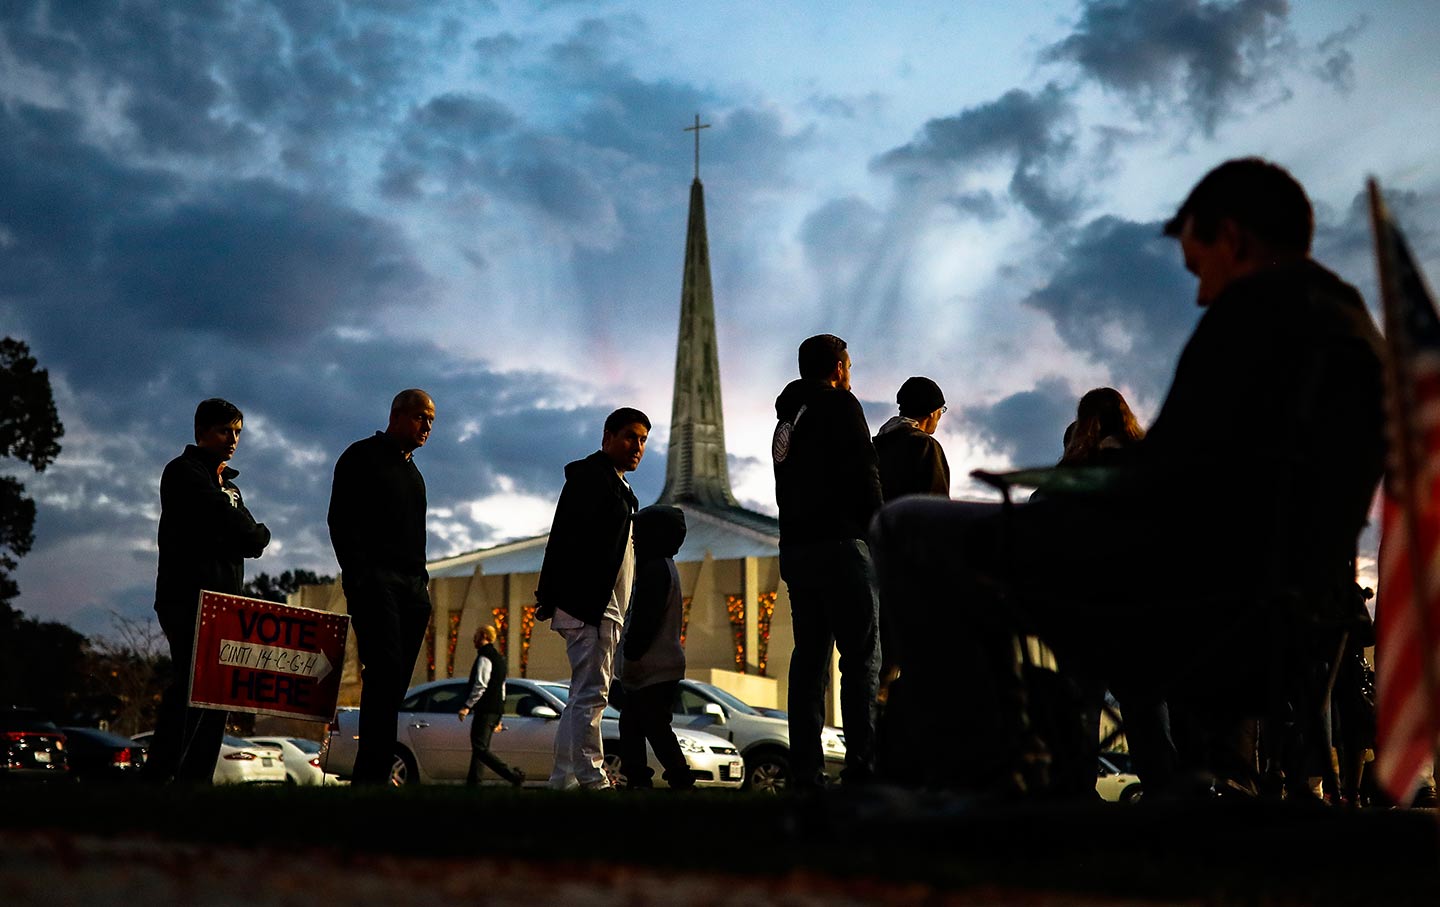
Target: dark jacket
x=587 y=541
x=650 y=646
x=206 y=532
x=911 y=461
x=492 y=701
x=377 y=509
x=1272 y=436
x=827 y=484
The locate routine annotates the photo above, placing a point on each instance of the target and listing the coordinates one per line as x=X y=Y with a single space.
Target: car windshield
x=729 y=699
x=562 y=692
x=306 y=746
x=238 y=743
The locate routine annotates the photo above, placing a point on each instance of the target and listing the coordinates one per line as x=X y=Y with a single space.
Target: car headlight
x=832 y=741
x=690 y=744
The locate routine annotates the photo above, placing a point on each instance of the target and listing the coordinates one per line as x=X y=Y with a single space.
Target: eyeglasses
x=944 y=409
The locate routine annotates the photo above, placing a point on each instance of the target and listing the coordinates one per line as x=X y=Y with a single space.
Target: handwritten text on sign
x=263 y=657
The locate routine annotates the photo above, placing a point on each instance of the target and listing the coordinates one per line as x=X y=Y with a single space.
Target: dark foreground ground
x=453 y=846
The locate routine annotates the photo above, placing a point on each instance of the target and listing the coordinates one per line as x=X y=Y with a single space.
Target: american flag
x=1408 y=602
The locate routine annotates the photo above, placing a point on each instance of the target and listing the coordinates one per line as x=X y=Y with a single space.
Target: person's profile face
x=1213 y=263
x=844 y=368
x=625 y=446
x=413 y=423
x=220 y=439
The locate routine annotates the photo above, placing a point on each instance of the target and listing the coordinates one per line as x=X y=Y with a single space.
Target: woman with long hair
x=1104 y=427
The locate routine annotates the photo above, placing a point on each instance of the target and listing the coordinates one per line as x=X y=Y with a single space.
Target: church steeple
x=695 y=468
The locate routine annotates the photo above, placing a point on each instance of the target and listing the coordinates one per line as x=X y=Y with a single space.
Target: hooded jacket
x=911 y=461
x=587 y=541
x=650 y=644
x=827 y=483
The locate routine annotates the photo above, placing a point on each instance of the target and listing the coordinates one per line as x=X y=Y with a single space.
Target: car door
x=528 y=741
x=436 y=735
x=688 y=710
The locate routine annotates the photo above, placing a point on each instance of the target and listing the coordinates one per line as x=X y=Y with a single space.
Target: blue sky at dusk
x=306 y=206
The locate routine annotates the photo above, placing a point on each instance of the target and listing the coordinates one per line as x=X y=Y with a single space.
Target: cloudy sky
x=306 y=206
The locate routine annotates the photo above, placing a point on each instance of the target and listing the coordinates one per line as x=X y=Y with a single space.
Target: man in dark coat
x=206 y=533
x=585 y=583
x=486 y=701
x=911 y=460
x=828 y=488
x=1251 y=487
x=377 y=527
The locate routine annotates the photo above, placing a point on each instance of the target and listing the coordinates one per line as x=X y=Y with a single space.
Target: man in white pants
x=584 y=589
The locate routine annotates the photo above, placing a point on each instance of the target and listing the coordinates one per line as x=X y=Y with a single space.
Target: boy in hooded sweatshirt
x=653 y=658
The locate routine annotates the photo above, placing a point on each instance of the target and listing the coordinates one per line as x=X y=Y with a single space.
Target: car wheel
x=403 y=771
x=767 y=771
x=611 y=767
x=1131 y=794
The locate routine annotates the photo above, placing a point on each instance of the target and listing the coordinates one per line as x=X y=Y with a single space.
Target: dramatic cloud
x=1337 y=63
x=1121 y=296
x=1030 y=135
x=1206 y=54
x=1029 y=427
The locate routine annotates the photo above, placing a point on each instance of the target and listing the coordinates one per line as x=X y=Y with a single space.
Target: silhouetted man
x=585 y=584
x=377 y=527
x=486 y=700
x=828 y=488
x=1252 y=485
x=205 y=535
x=911 y=460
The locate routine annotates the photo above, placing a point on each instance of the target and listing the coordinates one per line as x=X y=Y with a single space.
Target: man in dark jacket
x=486 y=701
x=377 y=527
x=828 y=488
x=585 y=583
x=205 y=535
x=1249 y=490
x=911 y=460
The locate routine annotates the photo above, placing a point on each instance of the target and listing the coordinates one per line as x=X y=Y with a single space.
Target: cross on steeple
x=696 y=129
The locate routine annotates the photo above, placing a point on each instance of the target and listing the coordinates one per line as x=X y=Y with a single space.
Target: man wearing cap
x=911 y=460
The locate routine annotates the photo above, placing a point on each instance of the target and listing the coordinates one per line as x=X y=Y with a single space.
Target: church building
x=737 y=630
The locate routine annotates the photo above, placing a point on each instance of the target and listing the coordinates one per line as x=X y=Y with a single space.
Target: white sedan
x=239 y=762
x=1114 y=781
x=433 y=745
x=301 y=756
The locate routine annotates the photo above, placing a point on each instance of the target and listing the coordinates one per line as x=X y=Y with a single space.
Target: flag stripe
x=1408 y=599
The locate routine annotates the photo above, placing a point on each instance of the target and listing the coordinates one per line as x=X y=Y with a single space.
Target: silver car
x=433 y=745
x=763 y=740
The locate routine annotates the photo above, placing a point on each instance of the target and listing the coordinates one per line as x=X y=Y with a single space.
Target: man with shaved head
x=377 y=526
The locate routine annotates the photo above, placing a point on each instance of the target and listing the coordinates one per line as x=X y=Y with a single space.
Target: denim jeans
x=833 y=604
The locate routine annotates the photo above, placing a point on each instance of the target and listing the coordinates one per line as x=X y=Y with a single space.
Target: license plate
x=735 y=771
x=42 y=756
x=267 y=761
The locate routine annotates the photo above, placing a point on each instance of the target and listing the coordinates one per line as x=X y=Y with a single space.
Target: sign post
x=267 y=658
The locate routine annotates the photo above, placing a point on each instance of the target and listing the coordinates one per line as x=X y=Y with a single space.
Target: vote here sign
x=270 y=659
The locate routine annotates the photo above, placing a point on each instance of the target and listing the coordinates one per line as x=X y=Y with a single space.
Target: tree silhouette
x=30 y=431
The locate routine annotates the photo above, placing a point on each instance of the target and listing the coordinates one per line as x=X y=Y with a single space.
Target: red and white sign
x=270 y=659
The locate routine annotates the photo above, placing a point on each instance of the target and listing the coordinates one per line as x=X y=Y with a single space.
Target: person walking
x=652 y=656
x=586 y=579
x=486 y=701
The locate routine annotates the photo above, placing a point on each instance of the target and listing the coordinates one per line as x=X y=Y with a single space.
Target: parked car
x=239 y=762
x=763 y=740
x=98 y=756
x=433 y=745
x=1114 y=781
x=35 y=749
x=301 y=756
